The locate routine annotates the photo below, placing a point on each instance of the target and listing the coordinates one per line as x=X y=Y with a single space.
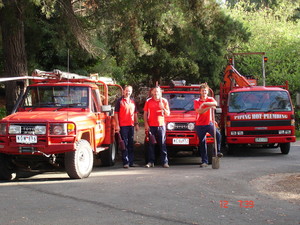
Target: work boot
x=202 y=165
x=148 y=165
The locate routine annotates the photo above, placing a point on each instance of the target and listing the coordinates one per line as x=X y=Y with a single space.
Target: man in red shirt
x=155 y=110
x=204 y=123
x=126 y=118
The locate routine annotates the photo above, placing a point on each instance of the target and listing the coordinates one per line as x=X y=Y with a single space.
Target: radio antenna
x=68 y=61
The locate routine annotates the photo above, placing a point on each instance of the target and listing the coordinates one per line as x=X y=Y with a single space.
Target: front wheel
x=79 y=163
x=6 y=170
x=108 y=156
x=285 y=148
x=232 y=149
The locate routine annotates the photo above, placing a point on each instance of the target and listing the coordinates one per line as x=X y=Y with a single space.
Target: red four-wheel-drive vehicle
x=260 y=116
x=180 y=124
x=62 y=122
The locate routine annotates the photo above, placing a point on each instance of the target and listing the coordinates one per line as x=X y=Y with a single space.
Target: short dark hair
x=204 y=86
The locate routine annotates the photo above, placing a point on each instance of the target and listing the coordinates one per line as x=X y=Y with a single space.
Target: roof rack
x=60 y=75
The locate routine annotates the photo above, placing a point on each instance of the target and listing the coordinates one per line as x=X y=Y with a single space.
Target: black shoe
x=134 y=165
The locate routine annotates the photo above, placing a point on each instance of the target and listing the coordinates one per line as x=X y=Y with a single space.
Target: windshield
x=181 y=101
x=56 y=96
x=259 y=101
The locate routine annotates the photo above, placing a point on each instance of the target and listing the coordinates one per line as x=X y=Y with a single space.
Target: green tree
x=49 y=30
x=276 y=31
x=273 y=32
x=159 y=41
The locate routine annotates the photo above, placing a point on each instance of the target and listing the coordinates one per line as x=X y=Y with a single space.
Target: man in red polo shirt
x=204 y=123
x=155 y=110
x=126 y=118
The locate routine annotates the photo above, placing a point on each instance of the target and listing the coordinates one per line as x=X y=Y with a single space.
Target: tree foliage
x=159 y=41
x=274 y=31
x=143 y=41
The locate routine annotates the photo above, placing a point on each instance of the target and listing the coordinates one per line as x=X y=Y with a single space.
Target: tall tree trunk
x=13 y=39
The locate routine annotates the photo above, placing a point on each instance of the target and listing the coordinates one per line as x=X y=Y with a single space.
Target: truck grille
x=261 y=123
x=181 y=126
x=28 y=128
x=260 y=132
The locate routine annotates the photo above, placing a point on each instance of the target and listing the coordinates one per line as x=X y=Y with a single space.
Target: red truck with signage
x=63 y=121
x=180 y=124
x=261 y=116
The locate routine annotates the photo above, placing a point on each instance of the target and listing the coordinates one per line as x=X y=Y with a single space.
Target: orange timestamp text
x=242 y=204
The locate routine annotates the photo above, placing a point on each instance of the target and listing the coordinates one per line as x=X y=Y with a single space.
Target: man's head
x=156 y=93
x=127 y=91
x=204 y=89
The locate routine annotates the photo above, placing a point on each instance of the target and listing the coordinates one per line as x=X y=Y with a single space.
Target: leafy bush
x=2 y=112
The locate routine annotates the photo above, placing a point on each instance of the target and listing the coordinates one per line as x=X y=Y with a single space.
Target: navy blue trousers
x=160 y=134
x=127 y=134
x=201 y=132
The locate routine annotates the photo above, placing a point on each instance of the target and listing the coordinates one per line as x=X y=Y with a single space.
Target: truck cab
x=256 y=116
x=180 y=124
x=60 y=123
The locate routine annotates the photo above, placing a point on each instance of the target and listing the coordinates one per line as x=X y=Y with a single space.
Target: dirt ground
x=285 y=186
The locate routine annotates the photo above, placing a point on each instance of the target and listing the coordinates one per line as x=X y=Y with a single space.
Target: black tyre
x=6 y=169
x=232 y=149
x=108 y=157
x=79 y=163
x=285 y=148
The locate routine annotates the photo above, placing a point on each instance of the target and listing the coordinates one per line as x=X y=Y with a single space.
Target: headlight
x=62 y=129
x=2 y=129
x=58 y=129
x=40 y=130
x=191 y=126
x=237 y=132
x=14 y=129
x=171 y=126
x=284 y=132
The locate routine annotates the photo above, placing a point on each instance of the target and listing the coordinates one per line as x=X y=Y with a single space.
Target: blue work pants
x=201 y=132
x=160 y=134
x=127 y=134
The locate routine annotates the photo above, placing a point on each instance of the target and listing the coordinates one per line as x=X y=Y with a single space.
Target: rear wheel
x=108 y=156
x=285 y=148
x=79 y=163
x=6 y=169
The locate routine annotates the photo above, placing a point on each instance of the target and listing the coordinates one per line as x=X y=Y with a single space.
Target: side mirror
x=218 y=110
x=106 y=108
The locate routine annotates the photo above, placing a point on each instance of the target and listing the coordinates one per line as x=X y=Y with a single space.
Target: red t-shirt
x=155 y=114
x=204 y=118
x=125 y=111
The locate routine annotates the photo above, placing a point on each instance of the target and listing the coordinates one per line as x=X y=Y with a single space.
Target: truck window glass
x=181 y=101
x=259 y=101
x=95 y=100
x=56 y=96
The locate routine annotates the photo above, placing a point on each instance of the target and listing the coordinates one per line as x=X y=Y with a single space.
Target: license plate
x=180 y=141
x=26 y=139
x=261 y=139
